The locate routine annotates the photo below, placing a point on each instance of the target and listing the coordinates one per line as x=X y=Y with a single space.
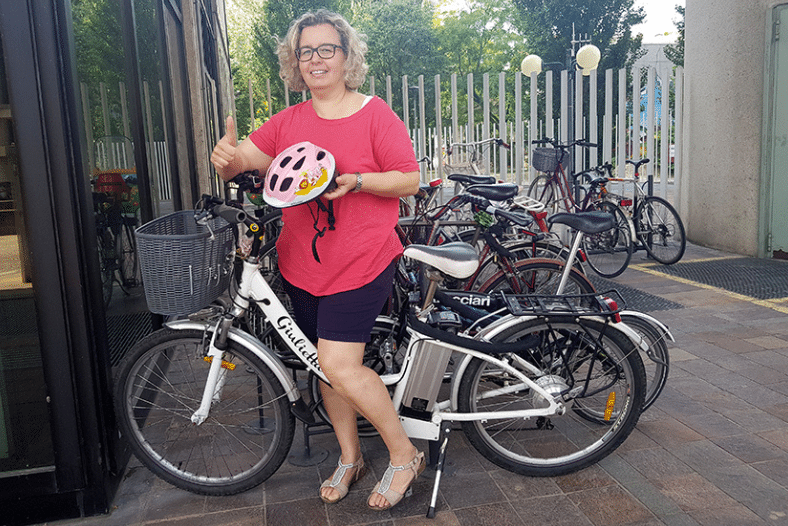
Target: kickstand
x=438 y=471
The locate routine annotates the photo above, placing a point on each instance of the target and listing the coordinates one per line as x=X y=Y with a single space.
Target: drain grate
x=636 y=299
x=758 y=278
x=124 y=331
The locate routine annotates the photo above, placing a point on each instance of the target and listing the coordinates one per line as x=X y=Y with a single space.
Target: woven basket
x=546 y=159
x=183 y=266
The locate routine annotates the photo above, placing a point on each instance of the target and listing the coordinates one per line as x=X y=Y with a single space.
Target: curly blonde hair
x=355 y=48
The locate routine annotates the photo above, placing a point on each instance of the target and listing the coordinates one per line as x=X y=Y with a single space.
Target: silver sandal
x=383 y=487
x=335 y=481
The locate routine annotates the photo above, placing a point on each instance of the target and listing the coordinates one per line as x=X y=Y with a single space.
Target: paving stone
x=305 y=511
x=749 y=448
x=736 y=516
x=489 y=515
x=693 y=492
x=555 y=511
x=610 y=506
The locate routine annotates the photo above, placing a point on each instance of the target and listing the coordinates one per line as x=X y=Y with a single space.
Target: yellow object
x=225 y=364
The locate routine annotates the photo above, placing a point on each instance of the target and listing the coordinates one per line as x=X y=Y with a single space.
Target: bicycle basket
x=546 y=159
x=183 y=267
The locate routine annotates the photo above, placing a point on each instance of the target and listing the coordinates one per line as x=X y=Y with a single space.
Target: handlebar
x=557 y=144
x=497 y=141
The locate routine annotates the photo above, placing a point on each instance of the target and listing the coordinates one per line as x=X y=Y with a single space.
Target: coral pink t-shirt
x=363 y=244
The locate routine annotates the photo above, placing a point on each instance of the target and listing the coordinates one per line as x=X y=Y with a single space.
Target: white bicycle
x=547 y=385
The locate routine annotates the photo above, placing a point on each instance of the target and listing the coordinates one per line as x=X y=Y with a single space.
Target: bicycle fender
x=661 y=327
x=253 y=345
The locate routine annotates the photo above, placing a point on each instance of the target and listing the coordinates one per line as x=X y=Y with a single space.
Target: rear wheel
x=589 y=367
x=609 y=252
x=543 y=189
x=126 y=249
x=656 y=359
x=660 y=230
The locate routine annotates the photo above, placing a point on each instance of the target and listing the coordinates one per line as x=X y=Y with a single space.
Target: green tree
x=675 y=52
x=550 y=24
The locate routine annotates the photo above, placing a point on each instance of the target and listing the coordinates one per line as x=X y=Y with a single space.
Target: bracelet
x=359 y=180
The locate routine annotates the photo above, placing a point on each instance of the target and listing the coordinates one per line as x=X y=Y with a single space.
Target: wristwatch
x=359 y=180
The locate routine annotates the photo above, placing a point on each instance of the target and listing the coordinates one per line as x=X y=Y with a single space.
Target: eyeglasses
x=324 y=51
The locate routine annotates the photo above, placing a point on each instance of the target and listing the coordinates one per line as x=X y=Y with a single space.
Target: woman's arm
x=385 y=184
x=230 y=158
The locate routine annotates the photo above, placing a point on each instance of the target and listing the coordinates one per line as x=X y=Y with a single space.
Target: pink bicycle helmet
x=298 y=175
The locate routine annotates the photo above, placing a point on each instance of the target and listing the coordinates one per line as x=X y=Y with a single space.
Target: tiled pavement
x=713 y=450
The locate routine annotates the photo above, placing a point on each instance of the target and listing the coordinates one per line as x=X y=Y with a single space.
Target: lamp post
x=586 y=59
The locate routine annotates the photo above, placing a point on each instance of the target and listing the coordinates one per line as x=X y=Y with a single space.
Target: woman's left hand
x=346 y=183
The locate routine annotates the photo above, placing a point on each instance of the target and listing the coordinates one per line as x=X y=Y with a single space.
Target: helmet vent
x=285 y=162
x=299 y=163
x=286 y=182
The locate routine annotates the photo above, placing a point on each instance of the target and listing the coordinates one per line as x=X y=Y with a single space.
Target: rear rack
x=571 y=304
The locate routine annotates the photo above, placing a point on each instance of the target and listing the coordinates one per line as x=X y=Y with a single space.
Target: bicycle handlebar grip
x=587 y=144
x=542 y=141
x=230 y=214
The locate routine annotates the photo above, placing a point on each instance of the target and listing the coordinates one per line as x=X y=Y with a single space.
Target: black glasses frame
x=304 y=54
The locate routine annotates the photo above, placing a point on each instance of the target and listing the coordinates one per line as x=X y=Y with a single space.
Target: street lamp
x=586 y=59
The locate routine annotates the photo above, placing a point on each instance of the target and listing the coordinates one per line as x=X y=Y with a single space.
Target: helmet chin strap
x=321 y=232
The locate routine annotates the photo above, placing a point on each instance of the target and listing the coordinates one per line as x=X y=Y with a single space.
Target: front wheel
x=660 y=230
x=593 y=369
x=246 y=436
x=609 y=252
x=536 y=276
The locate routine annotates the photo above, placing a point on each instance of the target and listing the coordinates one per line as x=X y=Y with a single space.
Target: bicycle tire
x=248 y=432
x=566 y=443
x=656 y=360
x=660 y=230
x=608 y=253
x=543 y=189
x=537 y=276
x=126 y=251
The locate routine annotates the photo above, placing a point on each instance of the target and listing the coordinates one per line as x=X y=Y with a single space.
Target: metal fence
x=562 y=105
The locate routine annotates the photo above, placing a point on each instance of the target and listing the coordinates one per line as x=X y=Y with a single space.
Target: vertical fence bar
x=637 y=116
x=471 y=119
x=622 y=123
x=650 y=118
x=486 y=118
x=439 y=126
x=564 y=125
x=502 y=122
x=665 y=135
x=517 y=143
x=533 y=125
x=593 y=118
x=423 y=128
x=679 y=150
x=607 y=131
x=548 y=93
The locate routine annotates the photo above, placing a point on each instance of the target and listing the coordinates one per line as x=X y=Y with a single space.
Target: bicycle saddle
x=472 y=179
x=458 y=260
x=587 y=222
x=494 y=192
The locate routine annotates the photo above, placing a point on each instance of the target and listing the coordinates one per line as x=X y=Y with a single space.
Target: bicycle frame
x=254 y=288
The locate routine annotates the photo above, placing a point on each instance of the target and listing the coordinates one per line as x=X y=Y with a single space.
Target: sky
x=660 y=15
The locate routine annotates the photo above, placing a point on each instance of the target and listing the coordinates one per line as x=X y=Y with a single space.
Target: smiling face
x=320 y=73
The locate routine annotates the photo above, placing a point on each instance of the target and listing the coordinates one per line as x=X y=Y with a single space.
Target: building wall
x=725 y=46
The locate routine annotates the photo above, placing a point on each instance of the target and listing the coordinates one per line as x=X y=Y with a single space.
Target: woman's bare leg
x=356 y=388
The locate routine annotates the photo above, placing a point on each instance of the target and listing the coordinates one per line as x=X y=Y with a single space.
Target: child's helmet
x=299 y=174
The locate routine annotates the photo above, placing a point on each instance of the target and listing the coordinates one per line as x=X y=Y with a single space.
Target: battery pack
x=426 y=376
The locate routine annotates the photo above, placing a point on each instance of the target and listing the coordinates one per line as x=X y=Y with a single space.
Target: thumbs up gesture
x=225 y=156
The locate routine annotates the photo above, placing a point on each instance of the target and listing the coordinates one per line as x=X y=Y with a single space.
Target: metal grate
x=635 y=299
x=758 y=278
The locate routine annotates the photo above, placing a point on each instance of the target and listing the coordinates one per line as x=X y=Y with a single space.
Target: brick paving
x=712 y=450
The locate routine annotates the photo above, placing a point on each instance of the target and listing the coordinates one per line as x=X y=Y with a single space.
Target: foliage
x=675 y=52
x=608 y=23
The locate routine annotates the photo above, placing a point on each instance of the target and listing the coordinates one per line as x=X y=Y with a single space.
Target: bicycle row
x=541 y=384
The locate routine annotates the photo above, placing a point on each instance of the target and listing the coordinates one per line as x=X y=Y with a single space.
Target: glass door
x=25 y=427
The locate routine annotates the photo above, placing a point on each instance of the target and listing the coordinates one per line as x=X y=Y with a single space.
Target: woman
x=337 y=295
